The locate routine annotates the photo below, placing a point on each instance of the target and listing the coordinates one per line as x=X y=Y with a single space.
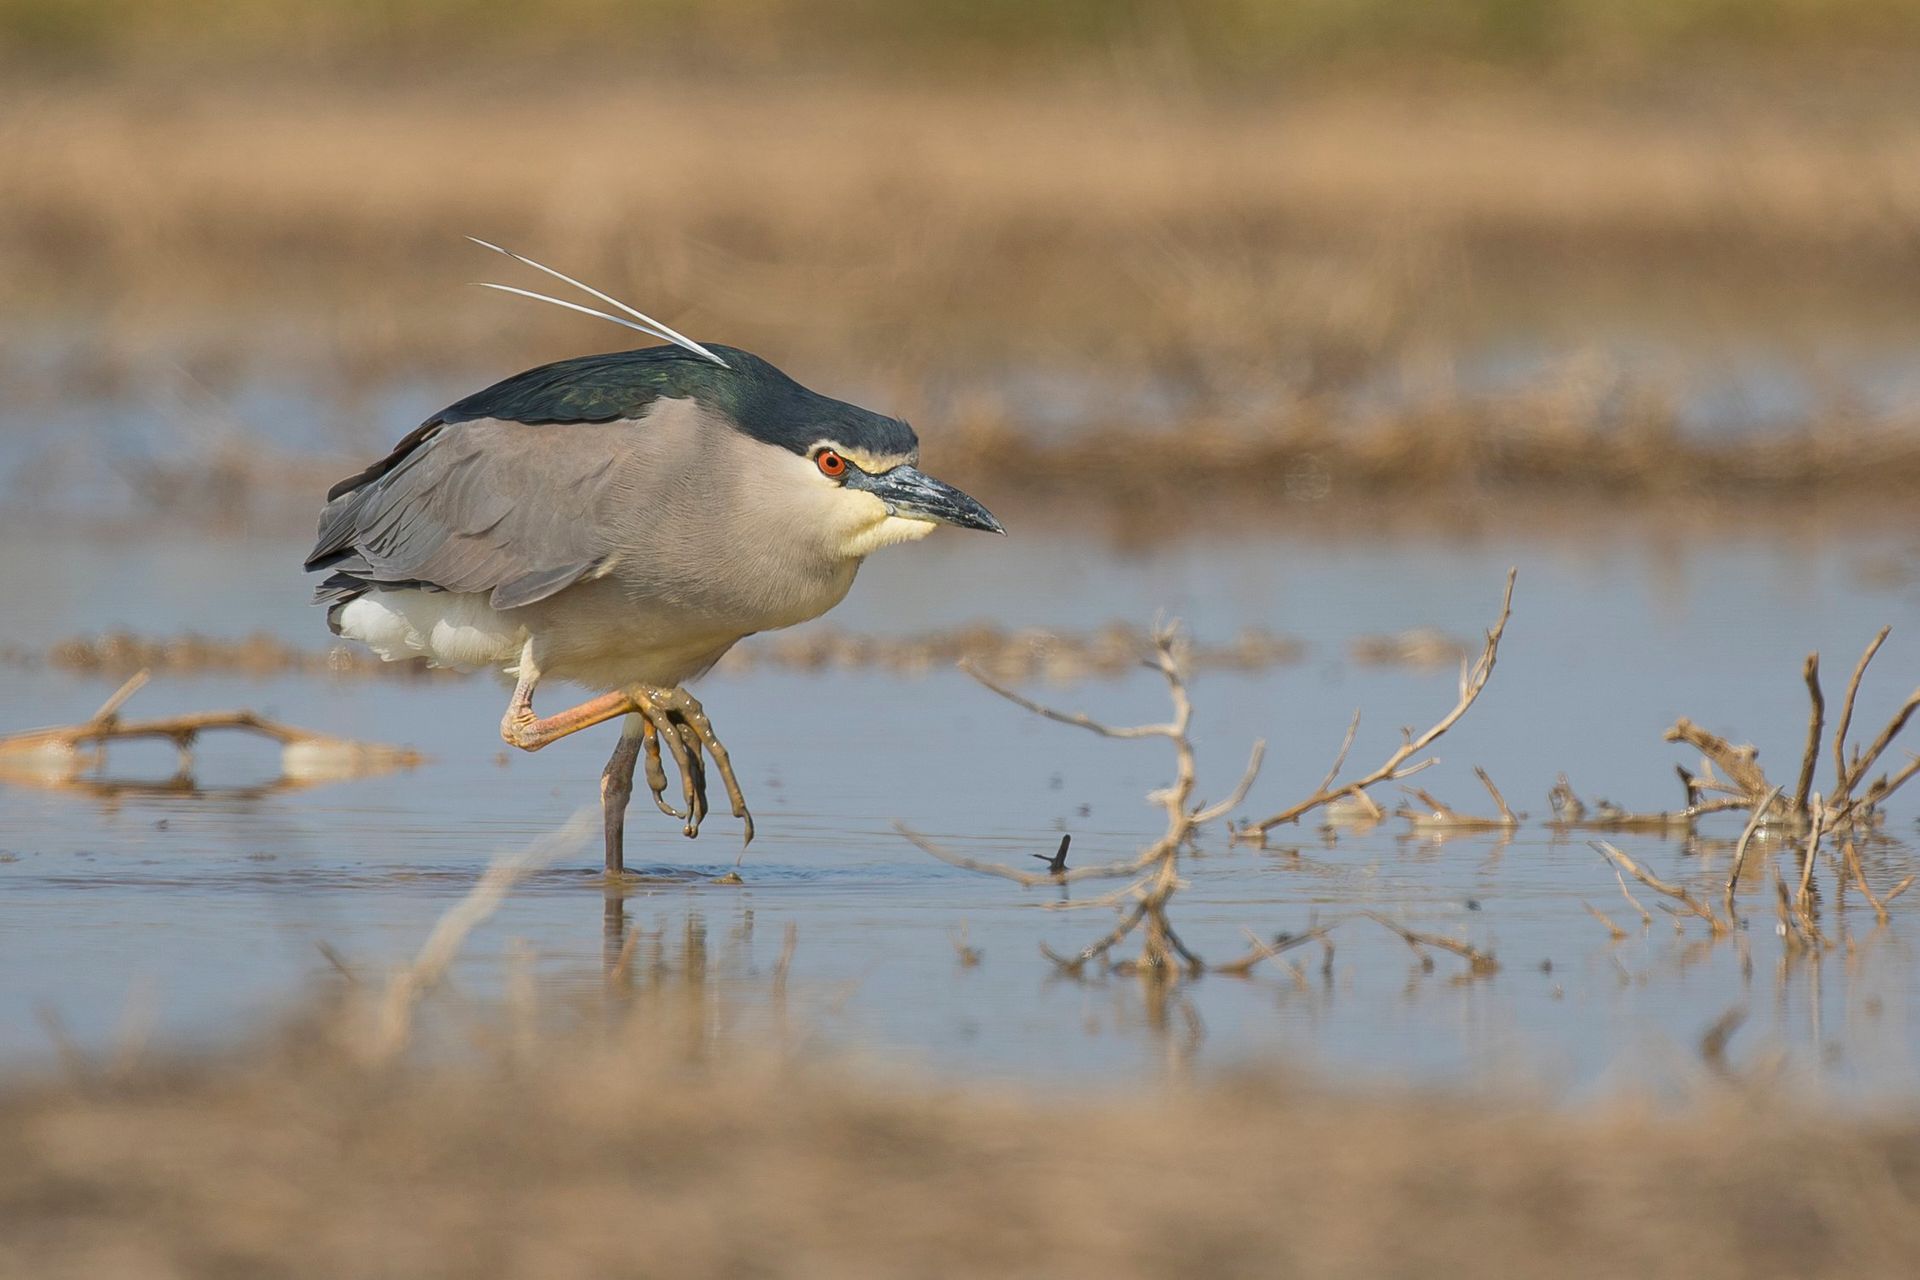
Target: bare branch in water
x=1747 y=786
x=1267 y=950
x=1614 y=931
x=1754 y=820
x=1155 y=870
x=1816 y=720
x=1845 y=722
x=1683 y=896
x=1067 y=717
x=1472 y=681
x=1439 y=816
x=1740 y=764
x=1480 y=962
x=61 y=755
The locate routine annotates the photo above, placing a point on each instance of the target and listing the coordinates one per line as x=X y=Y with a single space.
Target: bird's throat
x=884 y=532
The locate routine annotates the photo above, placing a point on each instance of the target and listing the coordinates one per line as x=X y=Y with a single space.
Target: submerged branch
x=1480 y=962
x=1683 y=896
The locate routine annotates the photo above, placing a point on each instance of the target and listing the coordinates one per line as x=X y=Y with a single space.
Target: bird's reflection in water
x=676 y=979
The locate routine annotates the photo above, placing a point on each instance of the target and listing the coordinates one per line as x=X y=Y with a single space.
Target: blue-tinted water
x=209 y=910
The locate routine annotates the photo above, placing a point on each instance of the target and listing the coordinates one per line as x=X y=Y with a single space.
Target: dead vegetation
x=1402 y=762
x=1104 y=652
x=1058 y=205
x=73 y=755
x=120 y=654
x=618 y=1153
x=1801 y=823
x=1436 y=816
x=1301 y=320
x=1729 y=779
x=1154 y=874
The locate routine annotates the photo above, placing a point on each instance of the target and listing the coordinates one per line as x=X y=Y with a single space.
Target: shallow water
x=201 y=913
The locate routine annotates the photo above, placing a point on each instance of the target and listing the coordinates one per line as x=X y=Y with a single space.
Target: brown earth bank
x=614 y=1157
x=1117 y=292
x=1532 y=465
x=1293 y=235
x=854 y=37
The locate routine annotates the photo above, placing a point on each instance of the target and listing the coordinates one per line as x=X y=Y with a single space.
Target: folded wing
x=507 y=508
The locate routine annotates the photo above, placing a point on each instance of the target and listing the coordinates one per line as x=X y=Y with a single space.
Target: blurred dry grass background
x=1211 y=202
x=1298 y=274
x=647 y=1150
x=1347 y=248
x=1223 y=35
x=1271 y=235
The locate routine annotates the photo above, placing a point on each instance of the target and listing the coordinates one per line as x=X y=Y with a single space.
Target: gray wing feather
x=510 y=509
x=530 y=587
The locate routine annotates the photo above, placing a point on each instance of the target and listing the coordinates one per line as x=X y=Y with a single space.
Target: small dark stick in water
x=1057 y=863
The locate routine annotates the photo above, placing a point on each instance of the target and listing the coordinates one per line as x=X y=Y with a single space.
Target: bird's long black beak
x=912 y=494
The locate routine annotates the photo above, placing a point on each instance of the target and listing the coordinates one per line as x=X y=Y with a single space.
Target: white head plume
x=647 y=324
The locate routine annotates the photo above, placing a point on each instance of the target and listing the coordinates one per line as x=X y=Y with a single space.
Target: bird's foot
x=675 y=720
x=520 y=728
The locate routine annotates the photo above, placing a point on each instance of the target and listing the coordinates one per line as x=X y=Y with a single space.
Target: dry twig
x=1157 y=867
x=393 y=1019
x=1439 y=816
x=1754 y=820
x=1571 y=813
x=1840 y=771
x=1740 y=764
x=57 y=756
x=1681 y=895
x=1267 y=950
x=1747 y=783
x=1816 y=719
x=1478 y=961
x=1613 y=930
x=1396 y=767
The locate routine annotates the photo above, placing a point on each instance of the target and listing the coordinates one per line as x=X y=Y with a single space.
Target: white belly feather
x=590 y=635
x=447 y=628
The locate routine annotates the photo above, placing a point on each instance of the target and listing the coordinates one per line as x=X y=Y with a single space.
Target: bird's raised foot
x=675 y=720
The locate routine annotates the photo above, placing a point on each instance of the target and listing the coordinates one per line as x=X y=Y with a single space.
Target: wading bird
x=620 y=521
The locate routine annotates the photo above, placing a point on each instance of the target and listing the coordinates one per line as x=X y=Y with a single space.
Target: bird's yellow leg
x=523 y=729
x=669 y=718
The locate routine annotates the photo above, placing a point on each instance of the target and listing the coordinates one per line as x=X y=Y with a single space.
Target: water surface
x=204 y=913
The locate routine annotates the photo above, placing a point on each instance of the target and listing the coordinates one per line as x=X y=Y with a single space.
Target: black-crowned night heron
x=620 y=521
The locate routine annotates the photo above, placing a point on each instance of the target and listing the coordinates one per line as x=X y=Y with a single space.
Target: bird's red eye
x=831 y=464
